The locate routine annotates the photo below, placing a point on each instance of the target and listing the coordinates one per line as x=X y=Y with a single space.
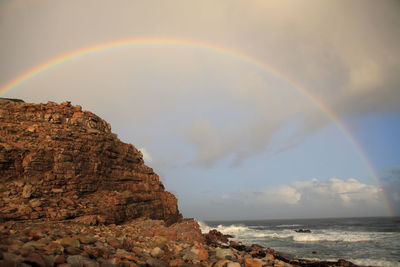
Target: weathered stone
x=223 y=253
x=35 y=260
x=176 y=263
x=64 y=152
x=155 y=252
x=221 y=263
x=27 y=191
x=35 y=203
x=251 y=262
x=36 y=244
x=80 y=261
x=86 y=239
x=233 y=264
x=70 y=242
x=156 y=262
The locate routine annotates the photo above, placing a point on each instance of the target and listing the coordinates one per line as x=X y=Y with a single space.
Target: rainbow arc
x=45 y=66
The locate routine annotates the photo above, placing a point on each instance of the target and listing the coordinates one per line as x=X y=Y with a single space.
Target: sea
x=363 y=241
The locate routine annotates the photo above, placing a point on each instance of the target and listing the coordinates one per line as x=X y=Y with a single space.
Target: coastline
x=140 y=242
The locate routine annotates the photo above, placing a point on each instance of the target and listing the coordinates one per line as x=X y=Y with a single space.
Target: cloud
x=391 y=187
x=146 y=155
x=343 y=55
x=312 y=198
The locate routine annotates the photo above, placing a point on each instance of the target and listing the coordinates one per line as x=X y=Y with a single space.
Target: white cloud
x=312 y=198
x=146 y=155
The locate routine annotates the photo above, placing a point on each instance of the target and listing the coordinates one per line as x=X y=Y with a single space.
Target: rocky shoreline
x=73 y=195
x=141 y=242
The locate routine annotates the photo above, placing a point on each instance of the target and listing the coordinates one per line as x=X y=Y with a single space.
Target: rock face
x=59 y=162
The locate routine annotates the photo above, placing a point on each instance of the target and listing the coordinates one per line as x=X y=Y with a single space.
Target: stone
x=215 y=238
x=72 y=251
x=86 y=239
x=155 y=262
x=176 y=263
x=27 y=191
x=60 y=259
x=80 y=261
x=36 y=244
x=35 y=203
x=200 y=252
x=70 y=242
x=251 y=262
x=233 y=264
x=35 y=260
x=221 y=263
x=223 y=253
x=155 y=252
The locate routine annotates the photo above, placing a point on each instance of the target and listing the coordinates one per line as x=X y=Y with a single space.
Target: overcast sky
x=231 y=139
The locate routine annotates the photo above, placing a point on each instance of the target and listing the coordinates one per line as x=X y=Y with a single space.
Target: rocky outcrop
x=58 y=162
x=135 y=243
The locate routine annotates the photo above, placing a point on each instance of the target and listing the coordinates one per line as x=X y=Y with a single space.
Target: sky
x=246 y=110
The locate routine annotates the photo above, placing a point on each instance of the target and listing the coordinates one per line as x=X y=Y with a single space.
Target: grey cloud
x=345 y=55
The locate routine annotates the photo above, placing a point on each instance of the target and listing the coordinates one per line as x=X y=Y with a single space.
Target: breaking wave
x=288 y=225
x=243 y=232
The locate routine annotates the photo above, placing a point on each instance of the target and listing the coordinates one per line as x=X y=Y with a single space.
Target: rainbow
x=76 y=54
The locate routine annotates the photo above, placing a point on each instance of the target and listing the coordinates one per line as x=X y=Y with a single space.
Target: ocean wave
x=232 y=229
x=244 y=233
x=375 y=262
x=333 y=237
x=288 y=225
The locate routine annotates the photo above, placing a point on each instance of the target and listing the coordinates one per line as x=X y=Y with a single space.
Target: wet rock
x=302 y=231
x=215 y=238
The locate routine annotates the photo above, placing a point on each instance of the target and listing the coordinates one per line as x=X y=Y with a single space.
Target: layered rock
x=58 y=162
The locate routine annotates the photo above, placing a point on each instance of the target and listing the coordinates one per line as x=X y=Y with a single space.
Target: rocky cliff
x=58 y=162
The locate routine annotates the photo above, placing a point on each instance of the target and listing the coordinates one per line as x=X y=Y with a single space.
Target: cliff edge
x=58 y=162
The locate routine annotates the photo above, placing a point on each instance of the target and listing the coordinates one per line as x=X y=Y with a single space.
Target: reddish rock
x=35 y=259
x=176 y=263
x=250 y=262
x=215 y=238
x=59 y=155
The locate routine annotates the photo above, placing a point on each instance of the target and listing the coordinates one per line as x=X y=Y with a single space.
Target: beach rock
x=302 y=231
x=35 y=259
x=221 y=263
x=233 y=264
x=155 y=252
x=222 y=253
x=176 y=263
x=58 y=156
x=216 y=238
x=70 y=242
x=250 y=262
